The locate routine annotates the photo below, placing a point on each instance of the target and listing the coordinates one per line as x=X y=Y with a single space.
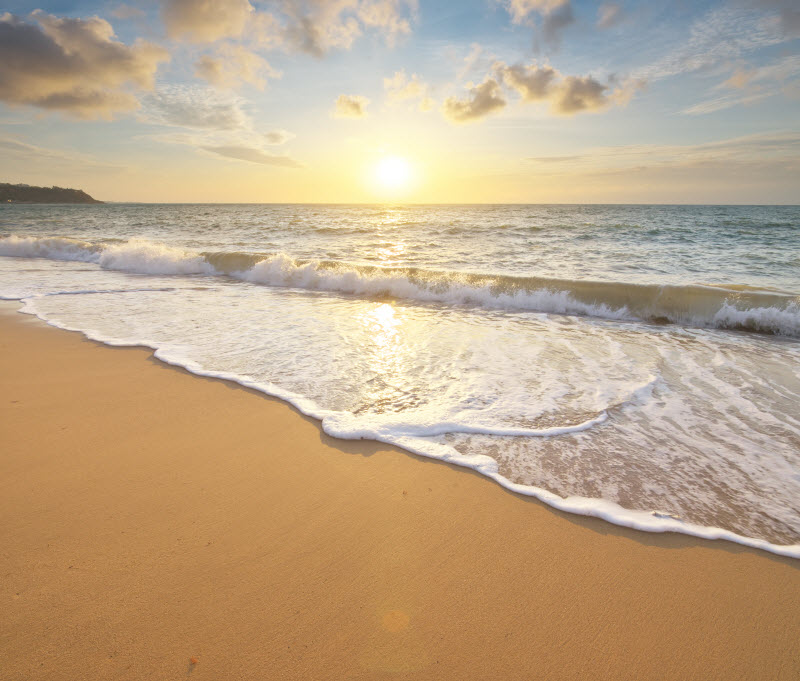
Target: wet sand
x=158 y=525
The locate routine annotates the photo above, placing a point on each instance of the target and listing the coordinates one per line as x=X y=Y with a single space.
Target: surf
x=735 y=306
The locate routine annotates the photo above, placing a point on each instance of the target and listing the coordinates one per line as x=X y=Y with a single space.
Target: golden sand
x=157 y=525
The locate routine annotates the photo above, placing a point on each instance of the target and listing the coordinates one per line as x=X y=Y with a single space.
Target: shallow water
x=640 y=363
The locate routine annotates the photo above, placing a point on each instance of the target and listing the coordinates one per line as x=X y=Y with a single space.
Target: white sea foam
x=695 y=305
x=347 y=426
x=786 y=319
x=673 y=426
x=145 y=257
x=416 y=435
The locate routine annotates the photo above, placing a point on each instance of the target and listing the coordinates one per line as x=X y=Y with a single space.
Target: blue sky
x=492 y=100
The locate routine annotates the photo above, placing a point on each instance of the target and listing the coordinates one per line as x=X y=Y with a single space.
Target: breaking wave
x=736 y=307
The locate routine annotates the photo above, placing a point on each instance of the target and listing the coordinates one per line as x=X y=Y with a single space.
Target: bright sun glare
x=393 y=172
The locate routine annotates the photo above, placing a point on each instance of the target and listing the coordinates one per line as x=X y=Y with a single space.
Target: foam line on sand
x=159 y=525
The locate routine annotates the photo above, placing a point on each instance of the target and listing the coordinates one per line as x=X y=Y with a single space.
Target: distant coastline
x=25 y=193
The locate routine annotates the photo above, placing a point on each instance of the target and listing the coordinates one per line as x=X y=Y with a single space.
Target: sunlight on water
x=602 y=358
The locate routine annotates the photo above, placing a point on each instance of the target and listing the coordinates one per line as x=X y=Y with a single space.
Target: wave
x=737 y=307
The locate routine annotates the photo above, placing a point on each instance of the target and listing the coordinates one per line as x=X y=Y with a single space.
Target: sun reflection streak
x=384 y=326
x=387 y=355
x=391 y=252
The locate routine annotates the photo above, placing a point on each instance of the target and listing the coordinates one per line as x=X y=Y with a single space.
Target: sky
x=345 y=101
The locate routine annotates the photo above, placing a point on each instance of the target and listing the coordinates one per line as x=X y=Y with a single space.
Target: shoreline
x=174 y=526
x=608 y=511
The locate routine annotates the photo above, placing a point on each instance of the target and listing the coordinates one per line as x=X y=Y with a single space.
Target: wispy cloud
x=609 y=14
x=721 y=35
x=750 y=85
x=16 y=150
x=787 y=14
x=253 y=156
x=195 y=107
x=768 y=148
x=213 y=122
x=476 y=52
x=400 y=88
x=724 y=102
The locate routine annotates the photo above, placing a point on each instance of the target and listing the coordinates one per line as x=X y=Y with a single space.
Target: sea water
x=636 y=363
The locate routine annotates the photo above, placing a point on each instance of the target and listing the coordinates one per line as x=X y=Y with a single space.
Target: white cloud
x=232 y=65
x=311 y=26
x=205 y=21
x=387 y=16
x=483 y=100
x=350 y=106
x=73 y=65
x=566 y=95
x=579 y=93
x=401 y=88
x=318 y=26
x=533 y=82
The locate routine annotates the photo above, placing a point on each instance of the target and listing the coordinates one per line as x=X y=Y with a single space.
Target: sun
x=393 y=173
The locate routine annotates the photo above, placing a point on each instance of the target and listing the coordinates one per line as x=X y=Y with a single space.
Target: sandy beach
x=158 y=525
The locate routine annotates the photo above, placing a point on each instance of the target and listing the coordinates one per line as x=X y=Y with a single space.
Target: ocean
x=636 y=363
